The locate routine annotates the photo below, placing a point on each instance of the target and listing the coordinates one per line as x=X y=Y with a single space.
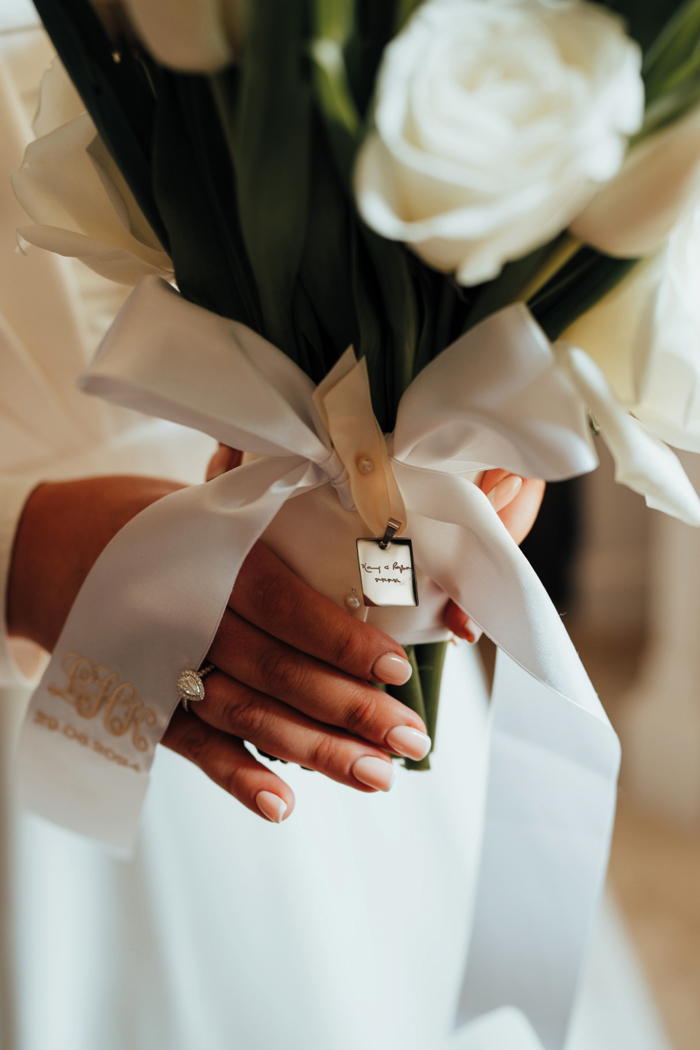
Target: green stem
x=430 y=658
x=411 y=694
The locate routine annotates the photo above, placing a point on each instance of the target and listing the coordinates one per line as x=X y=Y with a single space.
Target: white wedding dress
x=343 y=928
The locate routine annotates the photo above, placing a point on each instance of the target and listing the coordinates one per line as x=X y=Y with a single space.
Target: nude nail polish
x=472 y=632
x=392 y=668
x=271 y=806
x=374 y=772
x=408 y=742
x=505 y=491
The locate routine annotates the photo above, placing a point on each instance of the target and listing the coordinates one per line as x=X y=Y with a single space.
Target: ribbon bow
x=153 y=601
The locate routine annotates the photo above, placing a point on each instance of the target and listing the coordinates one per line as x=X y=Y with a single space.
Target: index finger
x=519 y=516
x=268 y=594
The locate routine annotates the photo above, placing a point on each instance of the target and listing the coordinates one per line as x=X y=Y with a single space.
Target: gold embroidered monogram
x=92 y=688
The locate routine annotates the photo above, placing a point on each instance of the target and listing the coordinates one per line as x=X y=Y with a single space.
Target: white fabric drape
x=153 y=601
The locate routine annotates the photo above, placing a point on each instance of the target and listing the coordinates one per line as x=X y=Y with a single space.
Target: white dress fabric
x=344 y=927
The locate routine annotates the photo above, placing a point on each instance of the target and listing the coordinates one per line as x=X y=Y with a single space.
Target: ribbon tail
x=553 y=765
x=149 y=609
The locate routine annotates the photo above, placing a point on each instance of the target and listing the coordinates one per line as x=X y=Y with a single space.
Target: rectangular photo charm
x=387 y=576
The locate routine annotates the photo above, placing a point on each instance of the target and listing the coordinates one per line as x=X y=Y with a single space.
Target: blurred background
x=626 y=581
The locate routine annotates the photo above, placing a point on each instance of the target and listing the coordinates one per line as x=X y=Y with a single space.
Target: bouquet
x=335 y=173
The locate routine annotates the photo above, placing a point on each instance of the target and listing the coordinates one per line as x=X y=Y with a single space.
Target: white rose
x=78 y=199
x=495 y=121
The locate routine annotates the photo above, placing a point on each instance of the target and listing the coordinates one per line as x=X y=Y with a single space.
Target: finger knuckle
x=326 y=753
x=361 y=711
x=196 y=743
x=277 y=598
x=282 y=672
x=242 y=712
x=237 y=782
x=348 y=648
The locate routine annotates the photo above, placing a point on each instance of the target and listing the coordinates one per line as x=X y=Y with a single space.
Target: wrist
x=63 y=529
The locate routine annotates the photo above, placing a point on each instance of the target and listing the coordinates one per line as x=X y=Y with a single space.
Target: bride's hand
x=293 y=670
x=517 y=501
x=292 y=677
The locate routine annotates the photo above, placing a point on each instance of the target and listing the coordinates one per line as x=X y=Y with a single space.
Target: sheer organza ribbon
x=153 y=601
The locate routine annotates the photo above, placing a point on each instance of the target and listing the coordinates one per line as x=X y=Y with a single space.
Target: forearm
x=63 y=529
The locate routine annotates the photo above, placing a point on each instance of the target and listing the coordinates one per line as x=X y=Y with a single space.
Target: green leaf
x=333 y=26
x=674 y=48
x=671 y=70
x=576 y=288
x=117 y=95
x=404 y=10
x=397 y=292
x=374 y=27
x=217 y=179
x=430 y=658
x=272 y=157
x=505 y=289
x=190 y=168
x=311 y=341
x=371 y=340
x=645 y=18
x=411 y=694
x=326 y=264
x=429 y=301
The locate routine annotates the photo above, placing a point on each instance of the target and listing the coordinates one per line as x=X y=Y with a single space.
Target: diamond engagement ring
x=190 y=685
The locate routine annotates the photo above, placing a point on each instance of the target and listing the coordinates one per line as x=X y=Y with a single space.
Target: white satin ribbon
x=153 y=601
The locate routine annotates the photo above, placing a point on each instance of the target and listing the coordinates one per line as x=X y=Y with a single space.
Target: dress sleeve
x=14 y=492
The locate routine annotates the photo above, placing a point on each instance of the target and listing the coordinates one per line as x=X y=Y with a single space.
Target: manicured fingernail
x=218 y=464
x=474 y=630
x=408 y=742
x=272 y=806
x=505 y=491
x=470 y=631
x=374 y=772
x=393 y=669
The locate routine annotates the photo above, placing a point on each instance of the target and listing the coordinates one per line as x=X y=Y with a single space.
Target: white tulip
x=193 y=35
x=667 y=362
x=643 y=340
x=76 y=196
x=642 y=462
x=495 y=121
x=634 y=213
